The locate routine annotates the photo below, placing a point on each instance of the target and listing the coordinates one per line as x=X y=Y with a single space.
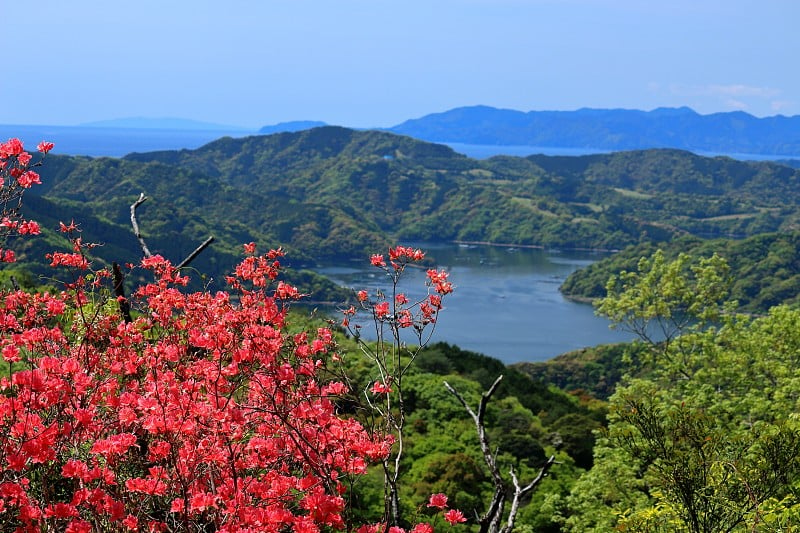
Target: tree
x=393 y=313
x=706 y=439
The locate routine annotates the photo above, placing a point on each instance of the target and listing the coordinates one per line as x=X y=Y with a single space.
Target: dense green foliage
x=765 y=269
x=526 y=420
x=706 y=438
x=594 y=371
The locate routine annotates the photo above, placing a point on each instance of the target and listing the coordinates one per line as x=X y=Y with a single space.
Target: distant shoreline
x=106 y=141
x=536 y=247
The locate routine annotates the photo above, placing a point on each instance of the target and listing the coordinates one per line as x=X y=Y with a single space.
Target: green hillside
x=332 y=192
x=765 y=268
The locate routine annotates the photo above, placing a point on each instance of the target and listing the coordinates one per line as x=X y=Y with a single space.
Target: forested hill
x=414 y=190
x=765 y=268
x=612 y=129
x=335 y=192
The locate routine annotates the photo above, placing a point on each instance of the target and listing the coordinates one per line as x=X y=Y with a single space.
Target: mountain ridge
x=336 y=192
x=611 y=129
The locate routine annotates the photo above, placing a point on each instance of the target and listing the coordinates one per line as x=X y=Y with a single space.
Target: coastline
x=535 y=246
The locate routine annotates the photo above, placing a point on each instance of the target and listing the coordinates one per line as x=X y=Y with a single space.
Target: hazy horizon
x=180 y=123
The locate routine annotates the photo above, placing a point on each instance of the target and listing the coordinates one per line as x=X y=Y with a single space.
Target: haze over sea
x=99 y=141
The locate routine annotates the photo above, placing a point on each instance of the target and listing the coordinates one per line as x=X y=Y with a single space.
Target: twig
x=195 y=253
x=146 y=251
x=490 y=521
x=519 y=492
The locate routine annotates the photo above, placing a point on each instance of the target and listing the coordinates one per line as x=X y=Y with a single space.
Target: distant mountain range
x=473 y=130
x=611 y=129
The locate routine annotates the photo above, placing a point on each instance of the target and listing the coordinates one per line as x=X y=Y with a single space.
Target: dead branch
x=146 y=251
x=136 y=232
x=119 y=292
x=491 y=519
x=478 y=419
x=520 y=492
x=195 y=253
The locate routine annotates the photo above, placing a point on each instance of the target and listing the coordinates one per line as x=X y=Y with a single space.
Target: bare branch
x=195 y=253
x=134 y=205
x=520 y=492
x=490 y=521
x=478 y=419
x=146 y=251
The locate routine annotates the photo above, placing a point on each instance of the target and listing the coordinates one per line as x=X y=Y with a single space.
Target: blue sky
x=369 y=63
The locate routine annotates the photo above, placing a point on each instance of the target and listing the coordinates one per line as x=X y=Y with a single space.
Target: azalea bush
x=174 y=410
x=396 y=317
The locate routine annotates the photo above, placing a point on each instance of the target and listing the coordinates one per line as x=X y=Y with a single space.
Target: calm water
x=112 y=142
x=485 y=151
x=506 y=303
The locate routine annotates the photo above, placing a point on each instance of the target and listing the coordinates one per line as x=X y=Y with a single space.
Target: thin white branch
x=136 y=232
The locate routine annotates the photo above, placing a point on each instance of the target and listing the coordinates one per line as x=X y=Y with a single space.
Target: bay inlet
x=506 y=302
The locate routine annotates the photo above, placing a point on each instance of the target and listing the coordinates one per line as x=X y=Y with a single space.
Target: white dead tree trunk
x=491 y=520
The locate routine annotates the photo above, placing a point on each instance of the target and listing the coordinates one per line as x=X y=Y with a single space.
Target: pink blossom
x=438 y=500
x=382 y=309
x=44 y=146
x=380 y=388
x=28 y=178
x=454 y=516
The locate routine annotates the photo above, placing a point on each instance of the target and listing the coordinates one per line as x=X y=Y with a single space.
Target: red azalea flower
x=44 y=146
x=380 y=388
x=454 y=516
x=438 y=500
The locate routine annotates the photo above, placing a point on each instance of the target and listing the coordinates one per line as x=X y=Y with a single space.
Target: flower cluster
x=397 y=315
x=16 y=175
x=399 y=311
x=201 y=413
x=453 y=516
x=195 y=411
x=437 y=501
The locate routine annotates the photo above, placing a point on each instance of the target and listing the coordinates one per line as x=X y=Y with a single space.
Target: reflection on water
x=506 y=303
